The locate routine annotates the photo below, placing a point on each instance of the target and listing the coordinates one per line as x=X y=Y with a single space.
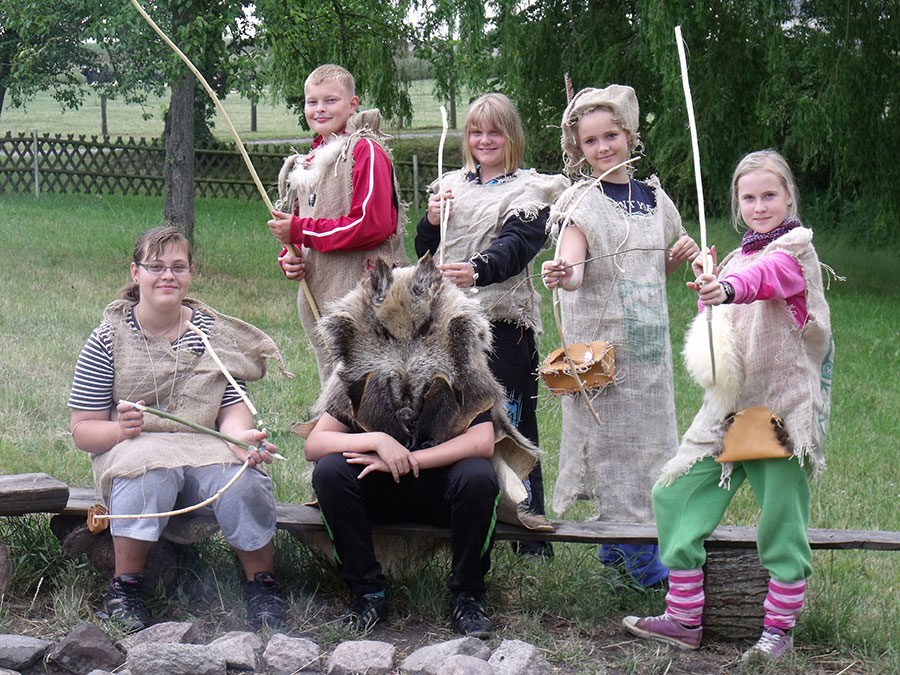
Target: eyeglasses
x=159 y=268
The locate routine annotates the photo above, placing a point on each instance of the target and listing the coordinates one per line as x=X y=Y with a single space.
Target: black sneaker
x=467 y=616
x=124 y=602
x=534 y=550
x=365 y=610
x=265 y=606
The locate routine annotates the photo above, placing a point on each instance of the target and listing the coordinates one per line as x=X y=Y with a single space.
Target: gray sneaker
x=666 y=629
x=774 y=644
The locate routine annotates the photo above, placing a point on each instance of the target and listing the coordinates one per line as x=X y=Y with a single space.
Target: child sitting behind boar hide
x=412 y=426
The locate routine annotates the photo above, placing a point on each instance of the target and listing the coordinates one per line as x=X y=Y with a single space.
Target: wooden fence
x=134 y=166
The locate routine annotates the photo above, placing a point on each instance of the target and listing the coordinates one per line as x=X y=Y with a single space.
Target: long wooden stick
x=444 y=209
x=695 y=148
x=234 y=134
x=571 y=210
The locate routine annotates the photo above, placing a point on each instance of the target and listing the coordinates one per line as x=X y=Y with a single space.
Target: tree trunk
x=104 y=129
x=735 y=586
x=178 y=173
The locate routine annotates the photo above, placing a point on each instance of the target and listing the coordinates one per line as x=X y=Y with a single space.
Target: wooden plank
x=31 y=493
x=302 y=518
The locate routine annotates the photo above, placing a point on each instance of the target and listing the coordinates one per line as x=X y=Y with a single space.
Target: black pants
x=514 y=362
x=462 y=496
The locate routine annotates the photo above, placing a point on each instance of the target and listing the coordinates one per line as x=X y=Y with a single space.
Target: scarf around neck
x=753 y=241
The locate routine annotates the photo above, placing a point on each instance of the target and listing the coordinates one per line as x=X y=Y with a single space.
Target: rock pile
x=174 y=648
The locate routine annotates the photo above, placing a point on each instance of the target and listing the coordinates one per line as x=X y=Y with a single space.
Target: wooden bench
x=736 y=583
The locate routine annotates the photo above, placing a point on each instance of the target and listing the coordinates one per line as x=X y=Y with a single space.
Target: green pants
x=690 y=509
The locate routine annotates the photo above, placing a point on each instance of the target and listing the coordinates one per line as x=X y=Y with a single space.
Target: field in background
x=274 y=119
x=64 y=257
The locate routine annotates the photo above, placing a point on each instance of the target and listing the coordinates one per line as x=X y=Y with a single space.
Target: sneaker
x=265 y=606
x=774 y=644
x=124 y=602
x=365 y=610
x=534 y=550
x=664 y=628
x=467 y=616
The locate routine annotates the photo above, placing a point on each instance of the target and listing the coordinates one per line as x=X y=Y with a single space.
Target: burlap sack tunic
x=622 y=299
x=320 y=185
x=777 y=364
x=195 y=393
x=479 y=213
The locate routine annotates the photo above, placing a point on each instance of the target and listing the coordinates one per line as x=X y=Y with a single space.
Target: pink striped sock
x=684 y=601
x=783 y=603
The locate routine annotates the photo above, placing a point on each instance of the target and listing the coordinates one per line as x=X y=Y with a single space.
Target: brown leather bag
x=595 y=363
x=754 y=433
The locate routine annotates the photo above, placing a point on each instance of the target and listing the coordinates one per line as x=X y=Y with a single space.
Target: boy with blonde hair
x=342 y=201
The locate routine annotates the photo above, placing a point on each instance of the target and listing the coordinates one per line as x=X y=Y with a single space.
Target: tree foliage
x=363 y=36
x=815 y=79
x=42 y=48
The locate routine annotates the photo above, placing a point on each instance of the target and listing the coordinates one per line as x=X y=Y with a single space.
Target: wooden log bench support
x=735 y=582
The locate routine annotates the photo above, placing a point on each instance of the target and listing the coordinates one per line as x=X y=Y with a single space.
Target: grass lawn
x=274 y=119
x=65 y=257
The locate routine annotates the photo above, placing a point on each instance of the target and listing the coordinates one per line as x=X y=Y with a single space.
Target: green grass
x=274 y=119
x=65 y=257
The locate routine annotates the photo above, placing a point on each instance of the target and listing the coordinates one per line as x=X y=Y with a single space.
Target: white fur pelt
x=721 y=396
x=300 y=174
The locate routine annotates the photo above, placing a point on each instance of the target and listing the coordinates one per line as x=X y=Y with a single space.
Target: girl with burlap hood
x=143 y=464
x=773 y=352
x=614 y=236
x=495 y=227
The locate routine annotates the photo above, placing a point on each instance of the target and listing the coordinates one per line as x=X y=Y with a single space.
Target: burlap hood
x=620 y=98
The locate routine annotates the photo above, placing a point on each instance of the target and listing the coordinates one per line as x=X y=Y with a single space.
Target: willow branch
x=193 y=425
x=234 y=134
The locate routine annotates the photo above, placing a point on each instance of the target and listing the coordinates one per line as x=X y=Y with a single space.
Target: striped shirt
x=92 y=386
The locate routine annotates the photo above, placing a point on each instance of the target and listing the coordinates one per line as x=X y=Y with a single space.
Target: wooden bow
x=445 y=211
x=203 y=429
x=695 y=148
x=570 y=211
x=234 y=134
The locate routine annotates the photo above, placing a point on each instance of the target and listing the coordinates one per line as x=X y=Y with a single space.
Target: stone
x=461 y=664
x=167 y=658
x=284 y=655
x=18 y=652
x=178 y=632
x=7 y=671
x=514 y=657
x=240 y=649
x=428 y=660
x=84 y=649
x=362 y=656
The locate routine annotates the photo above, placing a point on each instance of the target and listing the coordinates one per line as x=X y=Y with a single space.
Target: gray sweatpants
x=245 y=513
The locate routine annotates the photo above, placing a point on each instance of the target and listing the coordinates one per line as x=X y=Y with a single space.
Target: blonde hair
x=150 y=246
x=497 y=111
x=763 y=160
x=332 y=73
